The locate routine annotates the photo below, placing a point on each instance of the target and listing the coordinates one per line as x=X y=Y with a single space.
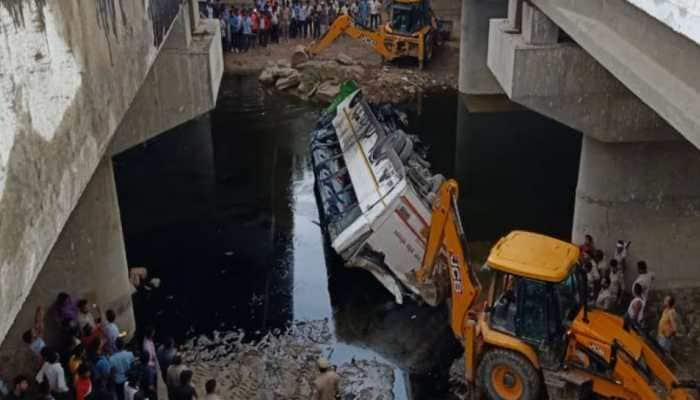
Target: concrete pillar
x=193 y=10
x=647 y=193
x=515 y=15
x=474 y=75
x=87 y=261
x=537 y=28
x=180 y=36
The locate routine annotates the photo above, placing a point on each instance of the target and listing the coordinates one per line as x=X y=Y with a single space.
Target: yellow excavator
x=532 y=336
x=412 y=31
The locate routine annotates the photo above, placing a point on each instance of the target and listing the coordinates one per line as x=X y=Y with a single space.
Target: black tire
x=519 y=369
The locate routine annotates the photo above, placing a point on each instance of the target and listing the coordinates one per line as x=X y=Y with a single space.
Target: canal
x=222 y=210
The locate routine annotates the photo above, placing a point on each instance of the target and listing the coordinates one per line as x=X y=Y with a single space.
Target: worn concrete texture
x=69 y=73
x=563 y=82
x=656 y=63
x=182 y=84
x=683 y=16
x=474 y=75
x=647 y=193
x=87 y=261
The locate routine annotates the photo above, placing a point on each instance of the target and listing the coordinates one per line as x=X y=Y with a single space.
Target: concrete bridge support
x=639 y=163
x=87 y=261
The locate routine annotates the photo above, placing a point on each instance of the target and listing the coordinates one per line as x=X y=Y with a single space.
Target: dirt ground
x=394 y=82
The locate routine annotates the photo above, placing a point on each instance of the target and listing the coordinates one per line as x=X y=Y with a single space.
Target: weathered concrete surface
x=474 y=75
x=683 y=16
x=653 y=61
x=69 y=73
x=87 y=261
x=647 y=193
x=182 y=84
x=565 y=83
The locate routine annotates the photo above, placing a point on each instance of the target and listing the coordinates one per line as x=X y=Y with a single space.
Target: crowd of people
x=90 y=360
x=606 y=288
x=269 y=21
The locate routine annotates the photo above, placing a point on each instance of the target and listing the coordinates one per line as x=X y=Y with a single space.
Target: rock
x=267 y=76
x=299 y=55
x=283 y=63
x=327 y=91
x=345 y=59
x=354 y=71
x=288 y=82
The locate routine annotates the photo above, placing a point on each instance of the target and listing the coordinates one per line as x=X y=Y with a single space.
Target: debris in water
x=280 y=366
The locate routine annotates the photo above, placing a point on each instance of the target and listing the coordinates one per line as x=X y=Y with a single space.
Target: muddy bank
x=281 y=365
x=316 y=79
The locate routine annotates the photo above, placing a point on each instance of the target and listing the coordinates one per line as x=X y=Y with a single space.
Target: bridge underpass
x=80 y=83
x=625 y=74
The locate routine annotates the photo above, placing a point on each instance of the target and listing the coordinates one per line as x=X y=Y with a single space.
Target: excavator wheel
x=506 y=375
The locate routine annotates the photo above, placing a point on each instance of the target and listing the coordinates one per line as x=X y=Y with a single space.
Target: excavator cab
x=409 y=17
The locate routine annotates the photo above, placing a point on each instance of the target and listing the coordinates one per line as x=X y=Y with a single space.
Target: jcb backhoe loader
x=534 y=337
x=413 y=31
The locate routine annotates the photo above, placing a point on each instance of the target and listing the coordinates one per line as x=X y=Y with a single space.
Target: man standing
x=111 y=331
x=247 y=31
x=667 y=324
x=19 y=390
x=150 y=359
x=53 y=374
x=326 y=385
x=120 y=363
x=173 y=376
x=185 y=391
x=375 y=19
x=210 y=388
x=303 y=14
x=34 y=338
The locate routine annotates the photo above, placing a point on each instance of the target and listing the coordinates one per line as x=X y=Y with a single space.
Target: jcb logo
x=456 y=274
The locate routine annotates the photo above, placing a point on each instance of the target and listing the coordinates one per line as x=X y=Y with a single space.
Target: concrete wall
x=87 y=261
x=647 y=193
x=69 y=71
x=683 y=16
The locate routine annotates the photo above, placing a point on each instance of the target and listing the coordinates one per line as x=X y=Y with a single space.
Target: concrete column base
x=647 y=193
x=87 y=261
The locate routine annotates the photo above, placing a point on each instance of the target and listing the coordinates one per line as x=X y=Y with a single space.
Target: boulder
x=267 y=76
x=345 y=59
x=284 y=63
x=327 y=91
x=299 y=55
x=285 y=72
x=288 y=82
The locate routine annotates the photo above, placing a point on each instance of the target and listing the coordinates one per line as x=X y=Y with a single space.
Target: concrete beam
x=183 y=84
x=566 y=84
x=646 y=193
x=657 y=64
x=537 y=28
x=88 y=261
x=474 y=75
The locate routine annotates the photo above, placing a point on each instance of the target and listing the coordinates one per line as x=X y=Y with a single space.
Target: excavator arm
x=345 y=25
x=446 y=232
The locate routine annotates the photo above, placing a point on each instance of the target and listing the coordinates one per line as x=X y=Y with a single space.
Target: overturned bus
x=375 y=190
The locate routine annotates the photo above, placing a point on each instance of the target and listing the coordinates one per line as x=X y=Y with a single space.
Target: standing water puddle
x=222 y=209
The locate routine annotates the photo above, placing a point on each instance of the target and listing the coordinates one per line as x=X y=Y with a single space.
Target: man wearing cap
x=326 y=385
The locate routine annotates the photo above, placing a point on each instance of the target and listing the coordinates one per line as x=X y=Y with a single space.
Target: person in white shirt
x=374 y=15
x=617 y=280
x=52 y=372
x=606 y=299
x=131 y=387
x=210 y=388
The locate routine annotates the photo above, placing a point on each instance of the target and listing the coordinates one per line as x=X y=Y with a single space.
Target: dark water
x=222 y=210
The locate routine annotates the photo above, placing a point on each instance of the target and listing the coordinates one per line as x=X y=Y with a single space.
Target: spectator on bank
x=173 y=375
x=316 y=23
x=20 y=386
x=606 y=299
x=591 y=294
x=131 y=387
x=120 y=364
x=111 y=331
x=621 y=249
x=53 y=375
x=326 y=385
x=34 y=338
x=635 y=311
x=185 y=391
x=247 y=30
x=599 y=262
x=83 y=384
x=77 y=358
x=166 y=352
x=275 y=25
x=86 y=316
x=236 y=28
x=374 y=14
x=285 y=15
x=150 y=361
x=98 y=359
x=587 y=246
x=65 y=310
x=302 y=17
x=644 y=280
x=617 y=280
x=668 y=327
x=210 y=388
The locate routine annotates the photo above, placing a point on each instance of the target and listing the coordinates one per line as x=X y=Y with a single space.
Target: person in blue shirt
x=364 y=12
x=247 y=25
x=120 y=363
x=236 y=26
x=295 y=20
